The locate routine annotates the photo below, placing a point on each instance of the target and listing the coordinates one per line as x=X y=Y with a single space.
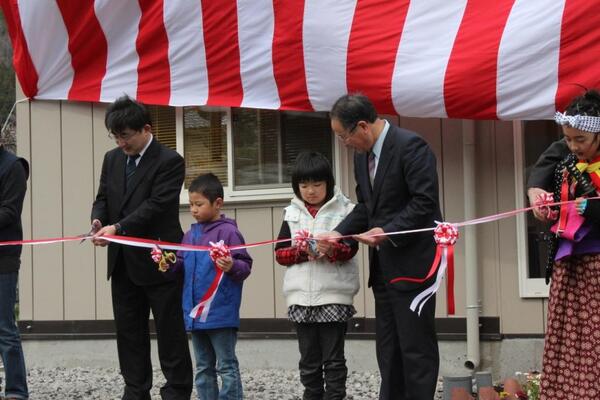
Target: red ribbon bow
x=301 y=239
x=542 y=201
x=218 y=250
x=445 y=235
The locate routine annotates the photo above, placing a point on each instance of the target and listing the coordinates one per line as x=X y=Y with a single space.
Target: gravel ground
x=106 y=384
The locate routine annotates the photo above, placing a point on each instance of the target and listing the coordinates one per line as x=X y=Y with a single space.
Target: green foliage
x=7 y=74
x=7 y=90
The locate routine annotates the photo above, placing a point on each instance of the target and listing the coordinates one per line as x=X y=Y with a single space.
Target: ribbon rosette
x=542 y=202
x=301 y=239
x=163 y=258
x=445 y=235
x=217 y=250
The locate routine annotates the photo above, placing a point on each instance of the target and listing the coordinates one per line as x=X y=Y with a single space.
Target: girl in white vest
x=319 y=288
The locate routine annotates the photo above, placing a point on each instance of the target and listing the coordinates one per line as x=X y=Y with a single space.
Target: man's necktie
x=372 y=168
x=130 y=168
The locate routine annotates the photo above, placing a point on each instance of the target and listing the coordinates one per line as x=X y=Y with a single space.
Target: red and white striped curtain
x=479 y=59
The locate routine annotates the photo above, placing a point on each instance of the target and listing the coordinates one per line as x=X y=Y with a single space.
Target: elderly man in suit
x=397 y=189
x=138 y=196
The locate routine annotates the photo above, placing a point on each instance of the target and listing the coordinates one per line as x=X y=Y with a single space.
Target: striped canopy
x=477 y=59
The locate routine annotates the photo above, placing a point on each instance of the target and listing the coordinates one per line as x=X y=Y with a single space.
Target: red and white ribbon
x=444 y=253
x=216 y=251
x=445 y=235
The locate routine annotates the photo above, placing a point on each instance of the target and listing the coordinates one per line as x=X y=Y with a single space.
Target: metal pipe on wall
x=470 y=240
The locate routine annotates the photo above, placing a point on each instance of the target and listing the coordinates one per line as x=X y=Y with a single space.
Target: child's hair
x=586 y=104
x=312 y=167
x=126 y=113
x=208 y=185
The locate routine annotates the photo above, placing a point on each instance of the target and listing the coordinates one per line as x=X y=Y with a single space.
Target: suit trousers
x=322 y=356
x=131 y=305
x=406 y=345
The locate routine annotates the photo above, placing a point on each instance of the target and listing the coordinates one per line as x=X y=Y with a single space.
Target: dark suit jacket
x=404 y=196
x=149 y=208
x=542 y=174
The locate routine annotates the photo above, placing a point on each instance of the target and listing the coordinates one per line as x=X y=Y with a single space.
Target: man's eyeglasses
x=347 y=135
x=121 y=136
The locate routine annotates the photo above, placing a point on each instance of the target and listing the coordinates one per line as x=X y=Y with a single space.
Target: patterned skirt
x=571 y=366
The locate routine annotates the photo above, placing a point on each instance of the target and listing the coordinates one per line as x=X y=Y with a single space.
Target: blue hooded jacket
x=199 y=271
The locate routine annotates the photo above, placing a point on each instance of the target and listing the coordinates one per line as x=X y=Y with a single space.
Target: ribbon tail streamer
x=420 y=300
x=446 y=262
x=203 y=307
x=450 y=282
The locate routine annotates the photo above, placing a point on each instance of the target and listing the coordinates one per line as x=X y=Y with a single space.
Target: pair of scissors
x=95 y=227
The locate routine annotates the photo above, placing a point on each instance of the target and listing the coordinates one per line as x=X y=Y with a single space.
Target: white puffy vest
x=319 y=282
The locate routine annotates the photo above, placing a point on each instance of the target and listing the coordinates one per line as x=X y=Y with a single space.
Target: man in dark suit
x=139 y=196
x=14 y=172
x=397 y=189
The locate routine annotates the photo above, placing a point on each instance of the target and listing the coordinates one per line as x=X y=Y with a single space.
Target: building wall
x=66 y=141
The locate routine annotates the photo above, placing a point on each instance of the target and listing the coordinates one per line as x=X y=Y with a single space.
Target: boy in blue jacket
x=214 y=333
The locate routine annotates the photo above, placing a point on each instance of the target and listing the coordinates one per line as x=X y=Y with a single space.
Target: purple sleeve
x=242 y=262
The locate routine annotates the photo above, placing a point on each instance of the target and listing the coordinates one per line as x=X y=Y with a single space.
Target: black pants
x=322 y=355
x=131 y=306
x=406 y=344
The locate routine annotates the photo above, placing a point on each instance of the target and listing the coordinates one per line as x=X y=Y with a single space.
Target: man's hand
x=533 y=194
x=325 y=241
x=367 y=239
x=96 y=225
x=224 y=263
x=107 y=230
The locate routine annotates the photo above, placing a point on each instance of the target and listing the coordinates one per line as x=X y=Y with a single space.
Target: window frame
x=528 y=287
x=246 y=195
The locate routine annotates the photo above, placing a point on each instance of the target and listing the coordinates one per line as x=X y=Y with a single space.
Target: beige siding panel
x=368 y=299
x=101 y=144
x=359 y=299
x=486 y=204
x=186 y=219
x=78 y=194
x=517 y=315
x=26 y=271
x=46 y=211
x=258 y=297
x=279 y=270
x=453 y=206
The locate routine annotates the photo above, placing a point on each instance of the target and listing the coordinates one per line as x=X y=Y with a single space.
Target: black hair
x=312 y=167
x=126 y=113
x=586 y=104
x=352 y=108
x=208 y=185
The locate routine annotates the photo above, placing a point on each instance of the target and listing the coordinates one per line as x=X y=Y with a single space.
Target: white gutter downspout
x=470 y=240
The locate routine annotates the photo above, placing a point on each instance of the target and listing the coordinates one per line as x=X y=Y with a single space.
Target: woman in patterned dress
x=571 y=363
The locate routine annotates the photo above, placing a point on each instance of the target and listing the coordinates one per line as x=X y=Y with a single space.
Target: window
x=250 y=150
x=205 y=143
x=531 y=139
